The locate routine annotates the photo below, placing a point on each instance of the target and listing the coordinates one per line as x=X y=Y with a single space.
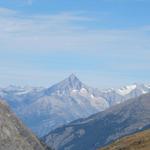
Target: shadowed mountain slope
x=104 y=127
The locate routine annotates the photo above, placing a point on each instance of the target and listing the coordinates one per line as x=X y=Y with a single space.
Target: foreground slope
x=138 y=141
x=13 y=134
x=102 y=128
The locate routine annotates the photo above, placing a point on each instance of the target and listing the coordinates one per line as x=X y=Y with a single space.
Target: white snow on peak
x=92 y=96
x=147 y=85
x=144 y=92
x=83 y=91
x=74 y=91
x=126 y=90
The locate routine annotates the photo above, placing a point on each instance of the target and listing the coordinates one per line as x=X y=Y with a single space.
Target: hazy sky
x=106 y=43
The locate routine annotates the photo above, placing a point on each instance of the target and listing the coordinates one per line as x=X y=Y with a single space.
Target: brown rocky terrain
x=138 y=141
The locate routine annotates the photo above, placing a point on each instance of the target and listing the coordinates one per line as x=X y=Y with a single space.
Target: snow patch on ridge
x=126 y=90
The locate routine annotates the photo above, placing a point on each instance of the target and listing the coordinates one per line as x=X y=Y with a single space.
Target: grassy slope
x=138 y=141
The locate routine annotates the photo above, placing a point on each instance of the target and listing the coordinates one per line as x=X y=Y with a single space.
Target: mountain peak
x=73 y=77
x=72 y=82
x=67 y=85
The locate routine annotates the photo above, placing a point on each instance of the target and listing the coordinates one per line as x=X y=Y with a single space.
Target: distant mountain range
x=45 y=109
x=103 y=128
x=13 y=134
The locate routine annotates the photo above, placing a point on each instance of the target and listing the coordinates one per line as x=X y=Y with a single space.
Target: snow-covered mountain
x=60 y=104
x=44 y=109
x=116 y=96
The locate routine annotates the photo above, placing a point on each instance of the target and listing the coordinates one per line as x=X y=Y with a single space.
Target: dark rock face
x=13 y=134
x=103 y=128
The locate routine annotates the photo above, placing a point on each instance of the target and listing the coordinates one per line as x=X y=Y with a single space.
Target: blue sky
x=106 y=43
